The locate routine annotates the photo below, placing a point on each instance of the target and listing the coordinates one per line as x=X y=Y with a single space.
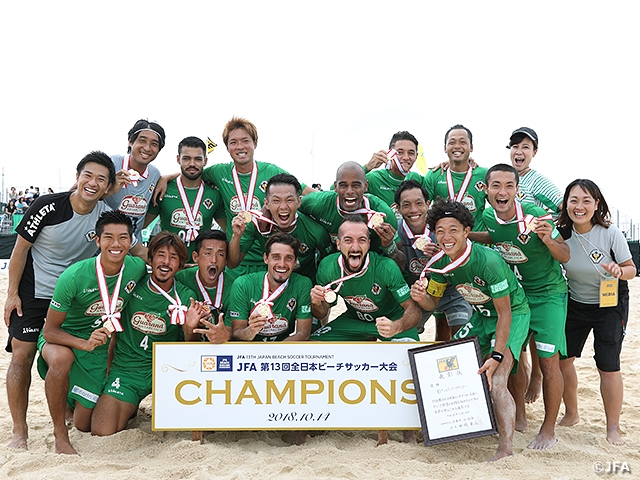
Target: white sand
x=139 y=453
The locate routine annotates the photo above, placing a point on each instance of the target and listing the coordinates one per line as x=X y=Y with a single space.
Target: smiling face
x=164 y=265
x=501 y=193
x=521 y=155
x=581 y=207
x=280 y=261
x=451 y=236
x=458 y=147
x=211 y=261
x=353 y=243
x=350 y=187
x=283 y=202
x=413 y=209
x=92 y=181
x=114 y=244
x=192 y=161
x=407 y=155
x=241 y=146
x=144 y=149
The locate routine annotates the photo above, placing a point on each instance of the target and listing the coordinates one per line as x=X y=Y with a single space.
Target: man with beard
x=375 y=293
x=280 y=214
x=83 y=314
x=329 y=208
x=157 y=312
x=189 y=204
x=273 y=306
x=211 y=285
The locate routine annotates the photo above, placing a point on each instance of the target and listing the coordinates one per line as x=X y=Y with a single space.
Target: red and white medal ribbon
x=392 y=155
x=343 y=278
x=205 y=294
x=192 y=212
x=245 y=202
x=268 y=299
x=177 y=311
x=523 y=221
x=425 y=235
x=366 y=210
x=463 y=187
x=452 y=266
x=134 y=176
x=109 y=303
x=260 y=217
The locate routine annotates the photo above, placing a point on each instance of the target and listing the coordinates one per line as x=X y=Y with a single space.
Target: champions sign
x=296 y=386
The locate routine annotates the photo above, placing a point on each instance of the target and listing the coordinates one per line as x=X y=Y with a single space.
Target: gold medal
x=263 y=310
x=377 y=220
x=330 y=296
x=421 y=242
x=108 y=324
x=246 y=216
x=134 y=176
x=531 y=225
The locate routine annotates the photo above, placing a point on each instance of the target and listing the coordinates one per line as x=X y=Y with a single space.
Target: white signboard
x=281 y=386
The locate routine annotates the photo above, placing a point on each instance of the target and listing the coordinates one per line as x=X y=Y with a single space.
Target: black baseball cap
x=529 y=132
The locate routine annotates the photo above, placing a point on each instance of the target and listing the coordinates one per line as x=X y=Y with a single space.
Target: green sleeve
x=65 y=290
x=304 y=298
x=239 y=302
x=395 y=281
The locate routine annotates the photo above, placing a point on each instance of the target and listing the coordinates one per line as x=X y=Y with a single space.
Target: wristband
x=497 y=356
x=391 y=249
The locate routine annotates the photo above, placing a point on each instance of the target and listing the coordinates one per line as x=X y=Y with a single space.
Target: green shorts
x=130 y=386
x=485 y=329
x=348 y=329
x=548 y=318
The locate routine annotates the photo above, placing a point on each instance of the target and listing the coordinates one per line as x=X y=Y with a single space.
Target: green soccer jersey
x=173 y=216
x=145 y=320
x=435 y=181
x=220 y=175
x=294 y=303
x=77 y=293
x=322 y=207
x=534 y=266
x=383 y=184
x=377 y=293
x=313 y=239
x=483 y=277
x=187 y=277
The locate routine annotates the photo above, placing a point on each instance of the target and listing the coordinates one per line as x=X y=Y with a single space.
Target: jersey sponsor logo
x=304 y=248
x=291 y=304
x=263 y=186
x=361 y=303
x=472 y=294
x=234 y=314
x=305 y=309
x=480 y=185
x=179 y=219
x=30 y=330
x=596 y=256
x=234 y=205
x=90 y=236
x=479 y=281
x=97 y=308
x=469 y=202
x=416 y=265
x=31 y=227
x=511 y=253
x=148 y=323
x=86 y=394
x=131 y=284
x=274 y=326
x=499 y=287
x=376 y=289
x=135 y=205
x=403 y=290
x=55 y=304
x=208 y=203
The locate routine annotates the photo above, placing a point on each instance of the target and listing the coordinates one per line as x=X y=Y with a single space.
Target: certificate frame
x=454 y=403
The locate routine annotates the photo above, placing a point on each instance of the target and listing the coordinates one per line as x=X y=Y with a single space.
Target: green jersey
x=313 y=239
x=323 y=208
x=383 y=184
x=377 y=293
x=534 y=266
x=538 y=190
x=435 y=181
x=78 y=295
x=146 y=320
x=294 y=303
x=483 y=277
x=173 y=216
x=187 y=277
x=221 y=176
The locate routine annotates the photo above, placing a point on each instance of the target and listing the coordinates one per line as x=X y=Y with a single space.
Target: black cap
x=529 y=132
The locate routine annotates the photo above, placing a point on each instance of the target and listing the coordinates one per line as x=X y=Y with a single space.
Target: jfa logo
x=216 y=363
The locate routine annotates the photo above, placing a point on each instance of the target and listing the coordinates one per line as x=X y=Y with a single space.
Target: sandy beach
x=141 y=453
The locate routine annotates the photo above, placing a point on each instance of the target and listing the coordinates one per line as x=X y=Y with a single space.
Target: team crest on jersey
x=472 y=294
x=520 y=195
x=479 y=281
x=90 y=235
x=208 y=203
x=263 y=186
x=131 y=284
x=524 y=238
x=376 y=289
x=97 y=308
x=274 y=326
x=151 y=187
x=416 y=265
x=291 y=304
x=234 y=205
x=304 y=248
x=361 y=303
x=511 y=253
x=148 y=323
x=135 y=205
x=480 y=185
x=596 y=256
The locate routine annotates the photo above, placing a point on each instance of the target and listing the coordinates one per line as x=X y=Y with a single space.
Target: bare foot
x=542 y=442
x=64 y=446
x=18 y=441
x=383 y=437
x=522 y=425
x=614 y=437
x=568 y=421
x=535 y=388
x=500 y=455
x=409 y=436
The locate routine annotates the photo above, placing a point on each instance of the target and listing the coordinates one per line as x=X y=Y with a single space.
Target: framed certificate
x=454 y=402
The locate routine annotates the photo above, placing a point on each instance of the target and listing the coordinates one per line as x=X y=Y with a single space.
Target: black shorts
x=609 y=325
x=27 y=327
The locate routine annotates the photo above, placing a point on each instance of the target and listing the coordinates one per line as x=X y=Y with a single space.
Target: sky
x=324 y=82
